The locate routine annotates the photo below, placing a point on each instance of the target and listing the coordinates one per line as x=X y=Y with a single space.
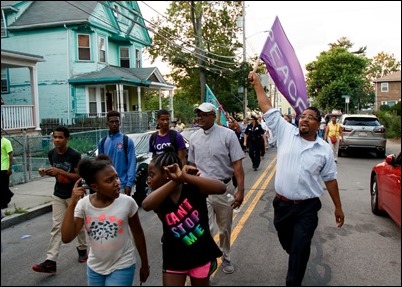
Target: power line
x=195 y=54
x=195 y=36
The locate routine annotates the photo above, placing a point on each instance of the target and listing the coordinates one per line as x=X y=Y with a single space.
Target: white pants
x=220 y=215
x=59 y=208
x=335 y=147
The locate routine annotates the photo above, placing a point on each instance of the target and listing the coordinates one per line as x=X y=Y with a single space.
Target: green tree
x=335 y=73
x=381 y=65
x=199 y=40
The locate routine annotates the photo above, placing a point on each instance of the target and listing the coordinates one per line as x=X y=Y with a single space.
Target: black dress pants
x=254 y=151
x=296 y=224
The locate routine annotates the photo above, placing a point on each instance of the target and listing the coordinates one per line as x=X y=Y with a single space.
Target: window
x=137 y=58
x=384 y=87
x=84 y=49
x=103 y=101
x=4 y=81
x=96 y=100
x=124 y=57
x=92 y=101
x=102 y=50
x=389 y=103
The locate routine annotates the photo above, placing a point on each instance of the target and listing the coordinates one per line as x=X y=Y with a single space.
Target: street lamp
x=245 y=100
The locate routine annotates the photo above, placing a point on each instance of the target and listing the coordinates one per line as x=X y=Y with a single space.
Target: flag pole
x=257 y=62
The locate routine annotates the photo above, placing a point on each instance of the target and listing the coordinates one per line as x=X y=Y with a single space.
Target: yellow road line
x=239 y=226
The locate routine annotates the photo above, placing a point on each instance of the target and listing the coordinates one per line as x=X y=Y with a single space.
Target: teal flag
x=210 y=98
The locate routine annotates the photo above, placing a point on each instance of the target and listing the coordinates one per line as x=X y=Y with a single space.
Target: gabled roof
x=83 y=14
x=45 y=13
x=117 y=75
x=393 y=77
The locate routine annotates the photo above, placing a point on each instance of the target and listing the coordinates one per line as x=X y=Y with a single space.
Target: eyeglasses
x=309 y=117
x=203 y=115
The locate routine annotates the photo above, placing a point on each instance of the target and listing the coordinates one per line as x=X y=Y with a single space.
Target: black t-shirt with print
x=187 y=240
x=67 y=162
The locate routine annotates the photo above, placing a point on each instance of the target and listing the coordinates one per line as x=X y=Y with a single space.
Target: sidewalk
x=35 y=196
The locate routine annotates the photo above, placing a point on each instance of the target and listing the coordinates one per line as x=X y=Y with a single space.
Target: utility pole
x=245 y=101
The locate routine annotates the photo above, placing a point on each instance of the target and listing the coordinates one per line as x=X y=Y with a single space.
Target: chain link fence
x=30 y=152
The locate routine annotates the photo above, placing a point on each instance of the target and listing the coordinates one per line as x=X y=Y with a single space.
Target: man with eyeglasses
x=216 y=152
x=304 y=160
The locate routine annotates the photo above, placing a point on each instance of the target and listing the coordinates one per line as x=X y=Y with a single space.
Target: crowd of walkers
x=93 y=197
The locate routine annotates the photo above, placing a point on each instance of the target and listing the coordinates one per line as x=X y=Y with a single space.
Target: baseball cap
x=206 y=108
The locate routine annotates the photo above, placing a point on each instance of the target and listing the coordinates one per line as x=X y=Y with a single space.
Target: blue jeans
x=119 y=277
x=321 y=133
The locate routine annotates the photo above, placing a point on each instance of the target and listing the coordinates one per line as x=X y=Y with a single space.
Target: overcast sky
x=311 y=26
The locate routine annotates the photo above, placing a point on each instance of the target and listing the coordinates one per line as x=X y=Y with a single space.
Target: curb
x=14 y=219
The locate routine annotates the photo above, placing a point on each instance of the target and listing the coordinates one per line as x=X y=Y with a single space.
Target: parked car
x=385 y=188
x=362 y=132
x=186 y=133
x=141 y=143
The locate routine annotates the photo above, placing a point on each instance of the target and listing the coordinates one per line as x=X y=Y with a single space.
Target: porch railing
x=17 y=117
x=21 y=117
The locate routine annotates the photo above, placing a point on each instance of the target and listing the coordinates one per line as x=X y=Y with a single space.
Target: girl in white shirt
x=108 y=216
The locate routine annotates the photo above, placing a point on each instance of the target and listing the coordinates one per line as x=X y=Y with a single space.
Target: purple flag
x=284 y=68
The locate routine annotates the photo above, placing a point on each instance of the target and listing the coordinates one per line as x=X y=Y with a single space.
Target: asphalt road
x=366 y=251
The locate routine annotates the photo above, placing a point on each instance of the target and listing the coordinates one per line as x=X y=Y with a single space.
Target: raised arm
x=263 y=100
x=206 y=185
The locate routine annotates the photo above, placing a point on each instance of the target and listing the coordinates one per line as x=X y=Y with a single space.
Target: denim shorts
x=119 y=277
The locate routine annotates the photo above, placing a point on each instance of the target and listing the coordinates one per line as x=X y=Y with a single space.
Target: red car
x=385 y=188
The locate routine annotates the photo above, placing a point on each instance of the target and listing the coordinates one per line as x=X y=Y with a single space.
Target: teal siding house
x=89 y=60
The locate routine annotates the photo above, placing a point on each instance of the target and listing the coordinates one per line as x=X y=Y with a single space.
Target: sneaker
x=82 y=255
x=227 y=267
x=48 y=266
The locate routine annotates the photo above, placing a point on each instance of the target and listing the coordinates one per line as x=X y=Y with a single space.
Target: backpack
x=141 y=187
x=125 y=144
x=172 y=139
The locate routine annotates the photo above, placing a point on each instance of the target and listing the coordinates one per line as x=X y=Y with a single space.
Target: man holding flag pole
x=304 y=160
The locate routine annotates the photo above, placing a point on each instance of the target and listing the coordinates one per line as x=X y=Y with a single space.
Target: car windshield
x=186 y=133
x=141 y=142
x=364 y=122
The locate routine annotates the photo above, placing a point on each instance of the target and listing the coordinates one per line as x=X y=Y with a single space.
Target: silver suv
x=362 y=132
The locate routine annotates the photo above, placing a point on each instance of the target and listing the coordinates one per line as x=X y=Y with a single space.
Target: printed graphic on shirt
x=104 y=227
x=66 y=166
x=184 y=223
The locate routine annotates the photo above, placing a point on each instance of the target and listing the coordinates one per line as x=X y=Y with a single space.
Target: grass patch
x=17 y=210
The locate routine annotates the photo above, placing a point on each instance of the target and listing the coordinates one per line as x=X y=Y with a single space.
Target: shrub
x=391 y=122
